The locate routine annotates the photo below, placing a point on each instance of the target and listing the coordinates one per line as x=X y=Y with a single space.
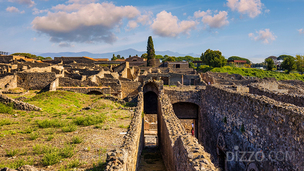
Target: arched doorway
x=150 y=103
x=188 y=115
x=151 y=119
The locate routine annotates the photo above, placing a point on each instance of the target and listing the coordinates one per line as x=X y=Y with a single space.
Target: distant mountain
x=124 y=53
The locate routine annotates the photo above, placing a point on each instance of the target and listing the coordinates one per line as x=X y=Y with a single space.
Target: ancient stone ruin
x=239 y=123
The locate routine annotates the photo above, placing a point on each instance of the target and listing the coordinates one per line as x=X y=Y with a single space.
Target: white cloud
x=37 y=11
x=251 y=7
x=263 y=35
x=30 y=3
x=14 y=9
x=167 y=25
x=267 y=11
x=132 y=24
x=92 y=22
x=64 y=44
x=216 y=21
x=145 y=19
x=301 y=31
x=81 y=1
x=34 y=39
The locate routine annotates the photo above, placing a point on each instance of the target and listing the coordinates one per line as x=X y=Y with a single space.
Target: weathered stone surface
x=18 y=104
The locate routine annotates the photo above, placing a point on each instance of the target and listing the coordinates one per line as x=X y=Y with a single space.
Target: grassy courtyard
x=72 y=131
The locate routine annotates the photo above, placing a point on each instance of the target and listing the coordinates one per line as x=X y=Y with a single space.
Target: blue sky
x=254 y=29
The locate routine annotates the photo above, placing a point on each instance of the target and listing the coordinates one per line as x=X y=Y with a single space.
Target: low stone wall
x=18 y=104
x=183 y=95
x=295 y=99
x=242 y=123
x=127 y=157
x=179 y=150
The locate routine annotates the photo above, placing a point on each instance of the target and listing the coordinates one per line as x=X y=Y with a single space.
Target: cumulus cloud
x=145 y=19
x=167 y=25
x=92 y=22
x=301 y=31
x=216 y=21
x=37 y=11
x=263 y=35
x=251 y=7
x=29 y=3
x=14 y=10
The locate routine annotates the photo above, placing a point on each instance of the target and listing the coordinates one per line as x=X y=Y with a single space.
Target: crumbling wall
x=69 y=82
x=179 y=150
x=9 y=81
x=127 y=157
x=129 y=88
x=35 y=81
x=244 y=123
x=18 y=104
x=296 y=99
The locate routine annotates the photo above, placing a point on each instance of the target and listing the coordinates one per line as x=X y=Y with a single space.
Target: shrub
x=50 y=137
x=12 y=152
x=89 y=120
x=67 y=151
x=74 y=163
x=34 y=135
x=7 y=122
x=76 y=140
x=50 y=123
x=51 y=158
x=21 y=162
x=6 y=108
x=69 y=128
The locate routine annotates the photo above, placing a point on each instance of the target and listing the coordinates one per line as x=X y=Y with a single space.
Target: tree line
x=32 y=56
x=289 y=63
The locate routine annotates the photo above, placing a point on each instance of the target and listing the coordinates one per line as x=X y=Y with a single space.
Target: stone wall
x=235 y=123
x=69 y=82
x=18 y=104
x=35 y=81
x=127 y=157
x=179 y=150
x=9 y=81
x=129 y=89
x=295 y=99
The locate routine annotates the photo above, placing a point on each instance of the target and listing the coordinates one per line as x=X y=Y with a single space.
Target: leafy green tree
x=289 y=64
x=300 y=63
x=170 y=59
x=150 y=49
x=191 y=65
x=159 y=57
x=282 y=57
x=145 y=56
x=29 y=56
x=269 y=64
x=48 y=58
x=239 y=58
x=213 y=58
x=113 y=57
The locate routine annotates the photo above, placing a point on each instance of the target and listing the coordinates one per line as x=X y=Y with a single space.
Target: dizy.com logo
x=259 y=156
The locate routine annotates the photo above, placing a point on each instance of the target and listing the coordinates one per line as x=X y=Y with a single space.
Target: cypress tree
x=150 y=49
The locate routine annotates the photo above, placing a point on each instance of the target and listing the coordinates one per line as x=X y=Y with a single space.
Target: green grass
x=124 y=126
x=7 y=122
x=6 y=108
x=18 y=163
x=50 y=123
x=89 y=120
x=59 y=102
x=33 y=136
x=12 y=152
x=69 y=128
x=251 y=72
x=53 y=155
x=50 y=137
x=77 y=140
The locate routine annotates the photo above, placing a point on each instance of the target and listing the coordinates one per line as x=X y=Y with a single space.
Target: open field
x=73 y=130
